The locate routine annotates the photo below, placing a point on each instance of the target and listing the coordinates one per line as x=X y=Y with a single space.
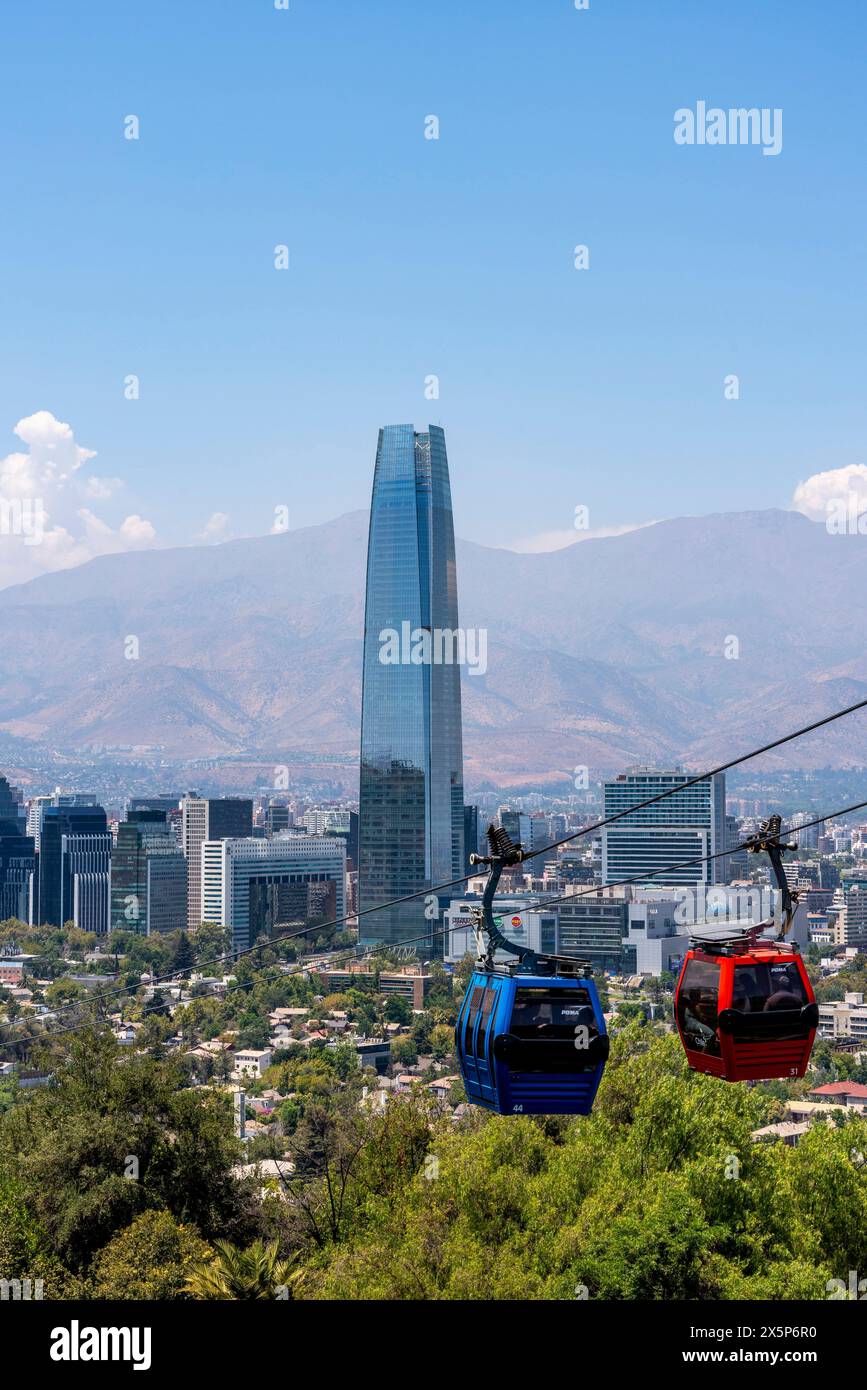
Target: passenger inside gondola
x=551 y=1013
x=698 y=1010
x=531 y=1016
x=763 y=988
x=744 y=990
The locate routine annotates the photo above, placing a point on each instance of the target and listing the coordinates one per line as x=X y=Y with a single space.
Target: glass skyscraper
x=74 y=867
x=17 y=856
x=411 y=812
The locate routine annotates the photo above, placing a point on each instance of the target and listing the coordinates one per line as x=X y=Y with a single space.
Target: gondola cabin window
x=764 y=988
x=486 y=1007
x=472 y=1015
x=552 y=1013
x=698 y=1007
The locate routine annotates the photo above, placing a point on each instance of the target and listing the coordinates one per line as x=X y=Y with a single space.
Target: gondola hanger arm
x=503 y=854
x=767 y=841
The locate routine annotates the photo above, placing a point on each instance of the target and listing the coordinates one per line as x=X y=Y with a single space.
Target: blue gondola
x=530 y=1037
x=531 y=1044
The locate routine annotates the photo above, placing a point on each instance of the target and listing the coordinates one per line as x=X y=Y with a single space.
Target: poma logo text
x=23 y=516
x=17 y=1289
x=437 y=646
x=739 y=125
x=77 y=1343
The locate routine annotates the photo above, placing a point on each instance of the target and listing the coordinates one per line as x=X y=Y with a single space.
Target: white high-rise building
x=37 y=804
x=687 y=825
x=254 y=885
x=850 y=903
x=208 y=819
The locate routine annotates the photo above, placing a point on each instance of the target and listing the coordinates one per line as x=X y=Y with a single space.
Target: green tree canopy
x=150 y=1259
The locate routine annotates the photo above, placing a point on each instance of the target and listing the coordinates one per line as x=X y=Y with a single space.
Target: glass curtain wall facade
x=411 y=812
x=17 y=856
x=62 y=827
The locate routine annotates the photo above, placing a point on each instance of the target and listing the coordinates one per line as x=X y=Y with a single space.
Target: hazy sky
x=410 y=257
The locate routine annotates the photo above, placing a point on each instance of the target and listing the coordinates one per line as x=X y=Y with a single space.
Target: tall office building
x=277 y=817
x=85 y=877
x=516 y=825
x=806 y=838
x=36 y=808
x=689 y=824
x=74 y=867
x=166 y=885
x=411 y=811
x=853 y=921
x=17 y=856
x=737 y=864
x=146 y=895
x=203 y=819
x=592 y=928
x=261 y=887
x=13 y=817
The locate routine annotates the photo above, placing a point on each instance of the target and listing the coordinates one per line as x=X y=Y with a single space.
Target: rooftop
x=841 y=1088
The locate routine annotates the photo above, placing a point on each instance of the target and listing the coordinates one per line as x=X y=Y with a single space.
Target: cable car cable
x=352 y=951
x=693 y=781
x=530 y=854
x=685 y=863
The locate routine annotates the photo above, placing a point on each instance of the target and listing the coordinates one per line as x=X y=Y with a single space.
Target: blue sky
x=453 y=257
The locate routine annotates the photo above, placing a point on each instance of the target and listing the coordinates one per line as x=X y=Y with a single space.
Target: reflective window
x=776 y=992
x=551 y=1013
x=698 y=1007
x=486 y=1009
x=472 y=1015
x=764 y=988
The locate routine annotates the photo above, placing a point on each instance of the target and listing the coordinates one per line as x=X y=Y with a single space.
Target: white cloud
x=214 y=528
x=835 y=486
x=133 y=533
x=45 y=522
x=100 y=488
x=559 y=540
x=48 y=436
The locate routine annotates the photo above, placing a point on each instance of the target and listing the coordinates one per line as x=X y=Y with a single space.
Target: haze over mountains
x=608 y=652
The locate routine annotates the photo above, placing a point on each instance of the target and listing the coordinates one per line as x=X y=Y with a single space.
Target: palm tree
x=234 y=1274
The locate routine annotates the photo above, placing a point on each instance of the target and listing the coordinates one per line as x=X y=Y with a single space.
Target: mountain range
x=686 y=641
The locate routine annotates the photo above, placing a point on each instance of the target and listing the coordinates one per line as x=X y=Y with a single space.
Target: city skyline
x=433 y=855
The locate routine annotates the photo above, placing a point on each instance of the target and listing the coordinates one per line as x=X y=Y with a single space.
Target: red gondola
x=744 y=1006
